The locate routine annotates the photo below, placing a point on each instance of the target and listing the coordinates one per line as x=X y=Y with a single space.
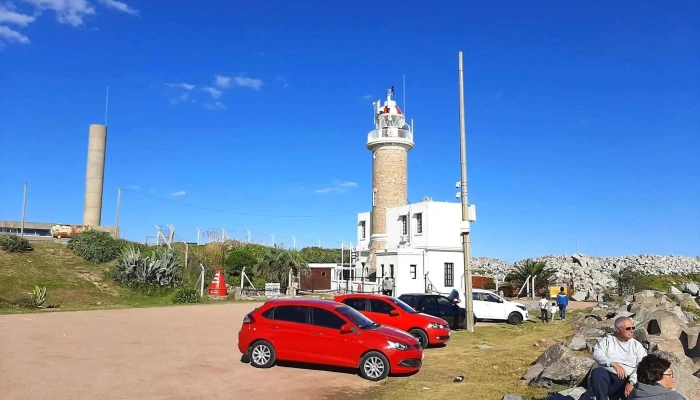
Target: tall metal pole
x=116 y=219
x=466 y=248
x=24 y=209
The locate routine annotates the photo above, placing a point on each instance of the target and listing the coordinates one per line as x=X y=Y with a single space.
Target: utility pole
x=464 y=228
x=116 y=220
x=24 y=209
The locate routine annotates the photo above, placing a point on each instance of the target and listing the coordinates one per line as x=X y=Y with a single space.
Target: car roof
x=365 y=295
x=302 y=302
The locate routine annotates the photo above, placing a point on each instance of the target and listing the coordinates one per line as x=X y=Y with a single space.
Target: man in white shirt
x=618 y=356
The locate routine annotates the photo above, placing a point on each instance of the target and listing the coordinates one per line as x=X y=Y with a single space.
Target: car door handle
x=318 y=334
x=274 y=327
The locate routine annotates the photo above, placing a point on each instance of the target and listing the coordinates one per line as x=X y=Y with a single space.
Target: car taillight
x=248 y=319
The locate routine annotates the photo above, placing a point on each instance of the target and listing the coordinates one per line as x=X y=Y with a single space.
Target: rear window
x=298 y=314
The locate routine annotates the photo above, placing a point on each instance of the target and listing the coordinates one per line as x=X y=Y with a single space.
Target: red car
x=391 y=311
x=326 y=332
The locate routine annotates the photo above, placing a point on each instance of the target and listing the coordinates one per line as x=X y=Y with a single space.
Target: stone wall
x=593 y=274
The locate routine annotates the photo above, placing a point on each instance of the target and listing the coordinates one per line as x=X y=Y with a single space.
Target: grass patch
x=663 y=282
x=489 y=373
x=71 y=282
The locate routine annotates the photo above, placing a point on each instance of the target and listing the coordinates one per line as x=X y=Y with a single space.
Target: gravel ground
x=186 y=352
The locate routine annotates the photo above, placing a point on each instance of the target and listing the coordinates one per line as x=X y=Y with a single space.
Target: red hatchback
x=391 y=311
x=329 y=333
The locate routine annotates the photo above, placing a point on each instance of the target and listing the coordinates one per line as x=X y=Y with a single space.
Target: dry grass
x=489 y=373
x=70 y=281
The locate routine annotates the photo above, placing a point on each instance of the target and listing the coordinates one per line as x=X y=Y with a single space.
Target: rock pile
x=662 y=324
x=593 y=275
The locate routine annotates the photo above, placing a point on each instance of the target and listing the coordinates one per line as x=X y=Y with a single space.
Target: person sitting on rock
x=618 y=356
x=656 y=380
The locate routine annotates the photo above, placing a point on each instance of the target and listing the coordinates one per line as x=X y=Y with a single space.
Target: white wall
x=440 y=225
x=436 y=266
x=363 y=243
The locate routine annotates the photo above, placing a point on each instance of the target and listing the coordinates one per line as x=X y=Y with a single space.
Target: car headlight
x=434 y=325
x=397 y=345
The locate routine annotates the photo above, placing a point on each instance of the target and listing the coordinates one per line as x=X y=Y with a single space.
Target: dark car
x=438 y=306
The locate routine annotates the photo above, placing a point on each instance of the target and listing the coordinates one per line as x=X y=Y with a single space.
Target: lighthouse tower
x=389 y=143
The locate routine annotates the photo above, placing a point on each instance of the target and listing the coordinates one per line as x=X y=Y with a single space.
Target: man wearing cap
x=618 y=356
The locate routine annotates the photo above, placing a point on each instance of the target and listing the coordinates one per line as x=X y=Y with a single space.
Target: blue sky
x=583 y=120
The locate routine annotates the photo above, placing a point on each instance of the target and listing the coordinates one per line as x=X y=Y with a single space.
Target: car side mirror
x=393 y=313
x=500 y=300
x=345 y=329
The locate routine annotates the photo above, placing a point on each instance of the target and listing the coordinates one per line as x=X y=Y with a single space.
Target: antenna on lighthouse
x=404 y=94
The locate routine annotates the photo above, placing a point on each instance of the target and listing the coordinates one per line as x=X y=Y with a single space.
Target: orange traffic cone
x=217 y=289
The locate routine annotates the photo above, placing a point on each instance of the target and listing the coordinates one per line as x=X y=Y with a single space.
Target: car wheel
x=261 y=354
x=374 y=366
x=515 y=318
x=421 y=336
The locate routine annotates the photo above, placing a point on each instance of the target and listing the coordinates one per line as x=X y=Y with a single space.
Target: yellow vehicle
x=554 y=291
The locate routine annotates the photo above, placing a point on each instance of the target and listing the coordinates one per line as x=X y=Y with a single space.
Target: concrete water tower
x=94 y=180
x=389 y=142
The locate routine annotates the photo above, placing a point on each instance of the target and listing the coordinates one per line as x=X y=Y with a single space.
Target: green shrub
x=15 y=244
x=490 y=286
x=38 y=296
x=95 y=246
x=187 y=295
x=160 y=269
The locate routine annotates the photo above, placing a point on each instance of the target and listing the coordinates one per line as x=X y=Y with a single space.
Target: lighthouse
x=389 y=142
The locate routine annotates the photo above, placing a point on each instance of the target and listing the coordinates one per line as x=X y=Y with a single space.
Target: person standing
x=544 y=303
x=388 y=286
x=562 y=302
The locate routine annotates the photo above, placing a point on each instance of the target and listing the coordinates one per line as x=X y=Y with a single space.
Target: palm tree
x=275 y=266
x=545 y=275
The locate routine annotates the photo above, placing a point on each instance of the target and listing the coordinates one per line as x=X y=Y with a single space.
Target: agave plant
x=38 y=296
x=161 y=268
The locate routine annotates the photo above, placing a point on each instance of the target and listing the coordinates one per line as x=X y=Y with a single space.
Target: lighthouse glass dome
x=390 y=126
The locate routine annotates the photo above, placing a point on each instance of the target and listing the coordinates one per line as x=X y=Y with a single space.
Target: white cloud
x=223 y=82
x=69 y=12
x=182 y=97
x=179 y=193
x=11 y=17
x=217 y=105
x=12 y=35
x=338 y=187
x=214 y=92
x=118 y=5
x=185 y=86
x=367 y=96
x=248 y=82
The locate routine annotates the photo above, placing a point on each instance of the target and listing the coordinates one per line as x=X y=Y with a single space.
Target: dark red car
x=391 y=311
x=326 y=332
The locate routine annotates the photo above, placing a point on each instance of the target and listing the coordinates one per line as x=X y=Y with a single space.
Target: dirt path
x=173 y=353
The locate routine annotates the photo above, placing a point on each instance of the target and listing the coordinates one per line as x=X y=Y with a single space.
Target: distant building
x=32 y=230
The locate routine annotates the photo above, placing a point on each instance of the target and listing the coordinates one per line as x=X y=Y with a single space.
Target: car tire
x=374 y=366
x=261 y=354
x=515 y=318
x=421 y=336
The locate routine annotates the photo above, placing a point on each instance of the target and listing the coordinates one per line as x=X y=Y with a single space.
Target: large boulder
x=691 y=288
x=665 y=324
x=558 y=366
x=577 y=343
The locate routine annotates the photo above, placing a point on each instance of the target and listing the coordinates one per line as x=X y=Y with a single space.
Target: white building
x=423 y=247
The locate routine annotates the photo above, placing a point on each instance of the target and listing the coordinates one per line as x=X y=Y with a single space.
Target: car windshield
x=403 y=306
x=358 y=319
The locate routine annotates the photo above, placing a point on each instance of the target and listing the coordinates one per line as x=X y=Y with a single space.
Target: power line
x=236 y=212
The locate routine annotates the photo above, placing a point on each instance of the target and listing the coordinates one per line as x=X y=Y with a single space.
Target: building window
x=413 y=271
x=391 y=270
x=449 y=274
x=374 y=197
x=383 y=270
x=363 y=231
x=419 y=223
x=404 y=227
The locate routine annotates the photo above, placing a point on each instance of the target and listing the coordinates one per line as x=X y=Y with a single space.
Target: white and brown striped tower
x=389 y=142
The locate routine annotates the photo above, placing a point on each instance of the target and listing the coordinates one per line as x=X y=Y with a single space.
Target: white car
x=490 y=306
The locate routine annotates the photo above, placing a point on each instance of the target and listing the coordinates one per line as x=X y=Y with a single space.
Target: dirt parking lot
x=187 y=352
